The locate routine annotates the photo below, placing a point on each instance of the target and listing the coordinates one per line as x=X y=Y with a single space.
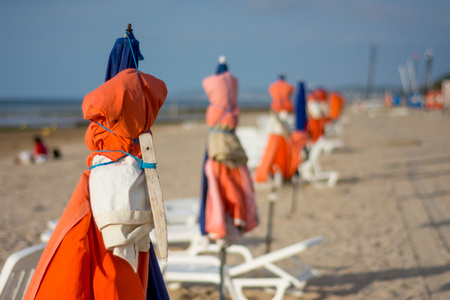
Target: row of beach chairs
x=198 y=263
x=254 y=138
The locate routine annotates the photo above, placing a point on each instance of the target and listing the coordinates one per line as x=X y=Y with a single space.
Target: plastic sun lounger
x=205 y=269
x=253 y=141
x=190 y=203
x=311 y=171
x=17 y=272
x=180 y=233
x=178 y=211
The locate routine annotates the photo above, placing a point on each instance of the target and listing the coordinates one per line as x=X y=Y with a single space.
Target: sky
x=60 y=48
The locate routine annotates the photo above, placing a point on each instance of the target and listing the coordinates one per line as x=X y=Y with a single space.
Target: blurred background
x=55 y=52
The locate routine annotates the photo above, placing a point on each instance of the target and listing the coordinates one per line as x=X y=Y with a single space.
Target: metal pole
x=222 y=257
x=404 y=79
x=272 y=198
x=371 y=74
x=294 y=181
x=428 y=62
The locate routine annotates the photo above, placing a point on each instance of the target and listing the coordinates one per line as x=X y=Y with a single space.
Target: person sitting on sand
x=38 y=155
x=40 y=152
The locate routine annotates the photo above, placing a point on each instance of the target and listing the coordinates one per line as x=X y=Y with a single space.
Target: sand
x=385 y=224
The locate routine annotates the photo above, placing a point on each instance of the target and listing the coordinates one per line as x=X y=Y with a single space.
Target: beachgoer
x=40 y=153
x=101 y=247
x=228 y=206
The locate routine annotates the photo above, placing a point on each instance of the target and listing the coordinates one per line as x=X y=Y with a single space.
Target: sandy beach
x=386 y=223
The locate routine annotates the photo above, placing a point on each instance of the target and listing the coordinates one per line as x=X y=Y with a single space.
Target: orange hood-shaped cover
x=221 y=91
x=281 y=92
x=336 y=103
x=126 y=107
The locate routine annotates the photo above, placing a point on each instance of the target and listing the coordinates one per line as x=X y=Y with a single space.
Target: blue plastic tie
x=142 y=165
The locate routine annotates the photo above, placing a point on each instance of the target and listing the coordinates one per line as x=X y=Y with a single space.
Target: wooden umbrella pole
x=155 y=193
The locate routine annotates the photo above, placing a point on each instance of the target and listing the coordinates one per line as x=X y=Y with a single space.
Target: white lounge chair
x=178 y=211
x=183 y=210
x=310 y=170
x=205 y=269
x=17 y=272
x=253 y=141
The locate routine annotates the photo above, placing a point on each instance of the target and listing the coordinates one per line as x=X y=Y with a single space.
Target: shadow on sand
x=353 y=283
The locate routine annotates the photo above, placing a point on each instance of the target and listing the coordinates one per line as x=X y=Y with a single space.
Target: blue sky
x=60 y=48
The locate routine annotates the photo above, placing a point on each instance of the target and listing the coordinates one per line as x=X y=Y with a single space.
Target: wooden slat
x=155 y=193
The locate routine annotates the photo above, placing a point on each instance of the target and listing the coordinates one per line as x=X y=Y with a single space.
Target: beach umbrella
x=299 y=126
x=228 y=206
x=124 y=54
x=300 y=107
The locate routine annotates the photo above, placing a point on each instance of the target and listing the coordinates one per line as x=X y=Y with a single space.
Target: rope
x=134 y=58
x=219 y=130
x=142 y=165
x=109 y=130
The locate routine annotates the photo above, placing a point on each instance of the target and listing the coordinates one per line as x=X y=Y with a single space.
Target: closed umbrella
x=298 y=136
x=228 y=205
x=122 y=57
x=97 y=249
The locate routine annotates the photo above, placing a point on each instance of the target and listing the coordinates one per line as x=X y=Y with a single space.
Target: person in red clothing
x=40 y=152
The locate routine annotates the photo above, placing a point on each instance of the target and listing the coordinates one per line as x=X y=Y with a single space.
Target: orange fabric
x=75 y=263
x=336 y=103
x=299 y=139
x=125 y=105
x=281 y=93
x=230 y=190
x=279 y=155
x=320 y=94
x=229 y=193
x=221 y=91
x=433 y=99
x=316 y=128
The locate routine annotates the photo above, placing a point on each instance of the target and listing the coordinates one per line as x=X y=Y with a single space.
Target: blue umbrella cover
x=121 y=57
x=300 y=107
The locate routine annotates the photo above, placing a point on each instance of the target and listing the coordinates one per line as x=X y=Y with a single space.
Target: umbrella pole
x=272 y=198
x=294 y=181
x=222 y=257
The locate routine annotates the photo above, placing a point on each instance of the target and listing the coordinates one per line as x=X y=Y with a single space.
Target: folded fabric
x=121 y=207
x=225 y=147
